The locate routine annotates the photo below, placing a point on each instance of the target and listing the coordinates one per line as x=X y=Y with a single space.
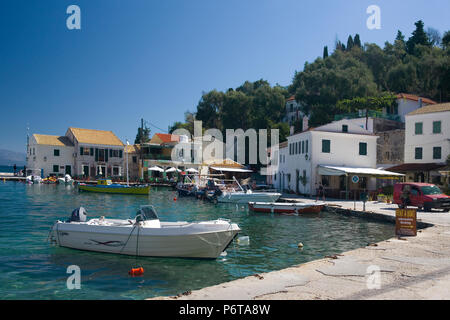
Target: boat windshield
x=429 y=190
x=147 y=213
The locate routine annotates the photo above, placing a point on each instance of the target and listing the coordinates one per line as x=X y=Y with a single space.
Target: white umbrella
x=191 y=170
x=173 y=170
x=155 y=168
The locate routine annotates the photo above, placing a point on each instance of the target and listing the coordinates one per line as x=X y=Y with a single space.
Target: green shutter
x=326 y=146
x=306 y=146
x=418 y=155
x=120 y=153
x=437 y=153
x=436 y=127
x=81 y=151
x=419 y=128
x=344 y=128
x=106 y=155
x=96 y=154
x=363 y=149
x=92 y=151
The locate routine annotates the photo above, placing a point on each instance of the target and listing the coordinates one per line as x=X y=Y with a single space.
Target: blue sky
x=153 y=59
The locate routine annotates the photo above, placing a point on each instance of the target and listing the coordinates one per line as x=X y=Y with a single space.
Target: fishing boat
x=145 y=235
x=286 y=208
x=106 y=186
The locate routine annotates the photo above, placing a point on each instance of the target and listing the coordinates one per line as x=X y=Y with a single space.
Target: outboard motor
x=78 y=215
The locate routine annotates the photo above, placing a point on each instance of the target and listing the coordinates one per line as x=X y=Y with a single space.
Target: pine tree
x=357 y=41
x=349 y=43
x=325 y=52
x=418 y=37
x=400 y=36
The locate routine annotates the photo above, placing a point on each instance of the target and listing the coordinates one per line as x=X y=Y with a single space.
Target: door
x=416 y=197
x=69 y=170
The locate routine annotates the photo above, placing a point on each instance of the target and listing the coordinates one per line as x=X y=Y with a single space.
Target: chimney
x=305 y=123
x=291 y=130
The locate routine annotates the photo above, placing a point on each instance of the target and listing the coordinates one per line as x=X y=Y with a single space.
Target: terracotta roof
x=432 y=108
x=167 y=138
x=411 y=167
x=414 y=98
x=49 y=140
x=92 y=136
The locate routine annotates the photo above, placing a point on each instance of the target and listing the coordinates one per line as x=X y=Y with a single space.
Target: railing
x=371 y=113
x=156 y=157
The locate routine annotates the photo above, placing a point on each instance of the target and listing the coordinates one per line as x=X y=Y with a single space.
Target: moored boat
x=286 y=208
x=145 y=235
x=106 y=186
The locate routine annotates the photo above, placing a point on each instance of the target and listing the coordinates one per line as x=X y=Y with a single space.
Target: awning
x=155 y=168
x=230 y=169
x=340 y=171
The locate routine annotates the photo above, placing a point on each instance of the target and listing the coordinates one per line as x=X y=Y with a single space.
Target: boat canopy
x=230 y=169
x=341 y=171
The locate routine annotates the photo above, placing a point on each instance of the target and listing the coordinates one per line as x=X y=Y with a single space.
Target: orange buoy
x=174 y=199
x=136 y=272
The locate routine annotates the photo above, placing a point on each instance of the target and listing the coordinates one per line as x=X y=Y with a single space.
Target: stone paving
x=399 y=268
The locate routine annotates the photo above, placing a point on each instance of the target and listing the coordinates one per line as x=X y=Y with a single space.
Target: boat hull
x=183 y=241
x=286 y=208
x=117 y=190
x=246 y=198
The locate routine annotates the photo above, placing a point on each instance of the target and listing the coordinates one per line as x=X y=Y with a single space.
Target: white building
x=50 y=155
x=293 y=112
x=329 y=155
x=407 y=103
x=427 y=143
x=81 y=152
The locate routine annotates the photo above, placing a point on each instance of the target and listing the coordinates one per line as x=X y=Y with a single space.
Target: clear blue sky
x=153 y=59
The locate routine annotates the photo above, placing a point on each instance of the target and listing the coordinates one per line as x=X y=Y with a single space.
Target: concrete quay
x=411 y=268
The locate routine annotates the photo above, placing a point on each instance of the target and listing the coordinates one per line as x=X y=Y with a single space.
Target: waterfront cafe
x=226 y=167
x=349 y=183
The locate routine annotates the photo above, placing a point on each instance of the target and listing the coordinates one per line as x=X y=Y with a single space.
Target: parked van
x=422 y=195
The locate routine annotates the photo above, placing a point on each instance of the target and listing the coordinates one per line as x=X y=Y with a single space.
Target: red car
x=422 y=195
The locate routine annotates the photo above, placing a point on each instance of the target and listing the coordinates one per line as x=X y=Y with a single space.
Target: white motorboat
x=32 y=179
x=247 y=196
x=67 y=180
x=145 y=235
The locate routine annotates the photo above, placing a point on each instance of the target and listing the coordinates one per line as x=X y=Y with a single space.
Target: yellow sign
x=406 y=222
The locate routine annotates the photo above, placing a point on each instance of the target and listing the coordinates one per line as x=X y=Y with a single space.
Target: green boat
x=106 y=186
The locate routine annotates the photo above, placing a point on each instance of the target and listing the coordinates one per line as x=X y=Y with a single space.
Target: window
x=363 y=149
x=116 y=171
x=436 y=127
x=326 y=148
x=418 y=154
x=344 y=128
x=55 y=168
x=86 y=171
x=296 y=148
x=306 y=148
x=86 y=151
x=56 y=152
x=303 y=147
x=437 y=153
x=114 y=153
x=419 y=128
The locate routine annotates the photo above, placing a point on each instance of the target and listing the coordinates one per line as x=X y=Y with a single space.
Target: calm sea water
x=30 y=268
x=6 y=169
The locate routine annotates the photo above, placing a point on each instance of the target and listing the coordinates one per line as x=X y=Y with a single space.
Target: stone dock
x=398 y=268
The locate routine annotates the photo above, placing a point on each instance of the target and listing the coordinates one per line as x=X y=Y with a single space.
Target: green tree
x=350 y=43
x=357 y=41
x=400 y=36
x=418 y=37
x=143 y=134
x=325 y=52
x=446 y=40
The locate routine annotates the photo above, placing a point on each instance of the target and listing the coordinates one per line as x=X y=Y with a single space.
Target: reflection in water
x=30 y=268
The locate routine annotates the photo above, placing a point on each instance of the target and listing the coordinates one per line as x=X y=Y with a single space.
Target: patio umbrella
x=172 y=169
x=191 y=170
x=155 y=168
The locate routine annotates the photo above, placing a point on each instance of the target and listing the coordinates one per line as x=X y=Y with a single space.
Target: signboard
x=406 y=222
x=355 y=179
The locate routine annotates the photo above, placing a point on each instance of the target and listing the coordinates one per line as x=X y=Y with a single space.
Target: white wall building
x=312 y=157
x=50 y=155
x=427 y=143
x=407 y=103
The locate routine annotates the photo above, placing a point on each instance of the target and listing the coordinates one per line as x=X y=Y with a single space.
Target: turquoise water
x=30 y=268
x=6 y=169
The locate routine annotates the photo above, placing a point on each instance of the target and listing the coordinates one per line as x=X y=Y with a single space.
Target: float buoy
x=174 y=199
x=300 y=245
x=136 y=272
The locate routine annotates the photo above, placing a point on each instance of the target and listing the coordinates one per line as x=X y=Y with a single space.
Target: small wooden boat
x=106 y=186
x=286 y=208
